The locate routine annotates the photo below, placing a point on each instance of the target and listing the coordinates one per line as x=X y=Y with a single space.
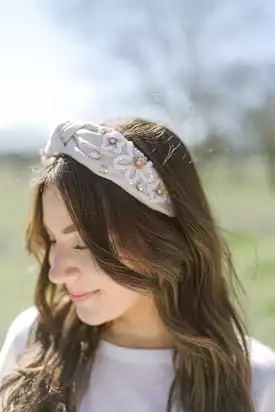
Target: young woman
x=135 y=298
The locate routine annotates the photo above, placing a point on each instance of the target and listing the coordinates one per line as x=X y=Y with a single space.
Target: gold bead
x=160 y=190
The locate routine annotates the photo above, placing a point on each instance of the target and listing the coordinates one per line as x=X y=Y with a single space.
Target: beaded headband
x=109 y=154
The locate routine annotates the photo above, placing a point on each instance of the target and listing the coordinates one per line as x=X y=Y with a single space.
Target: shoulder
x=262 y=360
x=16 y=339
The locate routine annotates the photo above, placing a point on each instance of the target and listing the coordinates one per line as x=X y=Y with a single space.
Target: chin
x=93 y=319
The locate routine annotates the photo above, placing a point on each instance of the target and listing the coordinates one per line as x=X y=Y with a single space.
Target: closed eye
x=80 y=244
x=78 y=247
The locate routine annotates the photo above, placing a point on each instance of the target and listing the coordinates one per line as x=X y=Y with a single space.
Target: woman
x=134 y=307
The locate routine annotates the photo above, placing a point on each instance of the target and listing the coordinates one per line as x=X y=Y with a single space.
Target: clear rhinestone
x=140 y=187
x=101 y=130
x=104 y=169
x=95 y=154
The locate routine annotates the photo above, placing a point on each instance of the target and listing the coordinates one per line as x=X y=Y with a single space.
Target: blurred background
x=205 y=68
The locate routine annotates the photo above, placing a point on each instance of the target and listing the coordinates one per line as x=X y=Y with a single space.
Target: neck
x=141 y=327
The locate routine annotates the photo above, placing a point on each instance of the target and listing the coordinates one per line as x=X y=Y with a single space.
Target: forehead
x=55 y=213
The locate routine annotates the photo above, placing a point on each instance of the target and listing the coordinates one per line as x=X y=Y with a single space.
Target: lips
x=78 y=297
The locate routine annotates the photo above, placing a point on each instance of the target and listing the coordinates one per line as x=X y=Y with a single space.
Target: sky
x=37 y=71
x=59 y=61
x=42 y=79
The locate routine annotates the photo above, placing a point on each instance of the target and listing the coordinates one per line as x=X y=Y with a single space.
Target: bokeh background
x=205 y=68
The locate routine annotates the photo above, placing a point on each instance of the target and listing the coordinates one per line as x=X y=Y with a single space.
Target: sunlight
x=38 y=68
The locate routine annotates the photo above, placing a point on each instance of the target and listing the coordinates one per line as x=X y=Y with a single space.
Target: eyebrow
x=69 y=229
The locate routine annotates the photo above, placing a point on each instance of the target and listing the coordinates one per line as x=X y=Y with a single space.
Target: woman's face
x=97 y=298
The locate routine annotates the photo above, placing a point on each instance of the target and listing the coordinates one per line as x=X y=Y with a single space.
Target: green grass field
x=241 y=201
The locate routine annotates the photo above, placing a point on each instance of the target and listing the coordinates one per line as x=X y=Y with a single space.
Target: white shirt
x=134 y=380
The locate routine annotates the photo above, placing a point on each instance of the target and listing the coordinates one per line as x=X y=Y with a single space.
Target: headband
x=107 y=153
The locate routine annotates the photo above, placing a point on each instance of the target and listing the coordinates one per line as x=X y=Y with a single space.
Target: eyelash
x=77 y=247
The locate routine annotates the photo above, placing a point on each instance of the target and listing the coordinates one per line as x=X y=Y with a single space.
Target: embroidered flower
x=157 y=192
x=113 y=142
x=134 y=165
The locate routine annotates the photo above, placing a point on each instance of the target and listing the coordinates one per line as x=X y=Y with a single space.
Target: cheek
x=113 y=302
x=121 y=298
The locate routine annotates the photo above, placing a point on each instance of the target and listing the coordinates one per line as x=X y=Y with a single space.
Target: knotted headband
x=107 y=153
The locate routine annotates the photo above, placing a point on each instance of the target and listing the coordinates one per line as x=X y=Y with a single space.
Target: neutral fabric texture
x=109 y=154
x=135 y=380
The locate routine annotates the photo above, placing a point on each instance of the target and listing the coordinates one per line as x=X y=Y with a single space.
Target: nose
x=62 y=269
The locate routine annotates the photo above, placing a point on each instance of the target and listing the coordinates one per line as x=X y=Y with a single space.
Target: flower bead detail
x=140 y=162
x=157 y=192
x=135 y=166
x=109 y=154
x=113 y=142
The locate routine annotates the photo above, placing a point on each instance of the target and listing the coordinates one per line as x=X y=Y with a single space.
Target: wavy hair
x=191 y=277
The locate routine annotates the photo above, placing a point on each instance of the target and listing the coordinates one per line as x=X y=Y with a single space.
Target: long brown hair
x=191 y=277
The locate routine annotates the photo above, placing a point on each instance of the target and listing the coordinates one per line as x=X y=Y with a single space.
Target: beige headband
x=109 y=154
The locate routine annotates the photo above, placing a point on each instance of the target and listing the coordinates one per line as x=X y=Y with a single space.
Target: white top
x=134 y=380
